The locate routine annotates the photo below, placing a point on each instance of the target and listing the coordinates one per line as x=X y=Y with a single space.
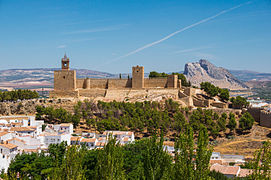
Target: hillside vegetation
x=146 y=117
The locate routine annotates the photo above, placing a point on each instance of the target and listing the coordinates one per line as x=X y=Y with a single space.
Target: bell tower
x=65 y=63
x=65 y=79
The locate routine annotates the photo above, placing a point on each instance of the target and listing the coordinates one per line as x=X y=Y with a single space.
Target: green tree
x=155 y=74
x=239 y=102
x=191 y=164
x=222 y=122
x=261 y=164
x=232 y=122
x=72 y=166
x=179 y=121
x=110 y=162
x=157 y=163
x=210 y=89
x=224 y=94
x=246 y=122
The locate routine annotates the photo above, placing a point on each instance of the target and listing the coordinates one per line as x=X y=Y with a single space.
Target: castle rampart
x=66 y=84
x=265 y=118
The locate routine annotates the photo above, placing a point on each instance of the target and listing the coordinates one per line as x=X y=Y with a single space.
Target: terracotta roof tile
x=21 y=129
x=86 y=140
x=3 y=133
x=16 y=139
x=8 y=145
x=76 y=138
x=231 y=170
x=215 y=161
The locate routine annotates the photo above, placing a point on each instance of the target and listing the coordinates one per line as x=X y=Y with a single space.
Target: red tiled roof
x=86 y=140
x=8 y=145
x=16 y=139
x=230 y=170
x=214 y=161
x=3 y=133
x=75 y=138
x=21 y=129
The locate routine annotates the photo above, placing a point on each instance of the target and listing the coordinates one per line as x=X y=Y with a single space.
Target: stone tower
x=138 y=77
x=65 y=63
x=65 y=79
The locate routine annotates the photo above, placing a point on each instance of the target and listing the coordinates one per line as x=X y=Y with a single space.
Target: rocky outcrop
x=203 y=71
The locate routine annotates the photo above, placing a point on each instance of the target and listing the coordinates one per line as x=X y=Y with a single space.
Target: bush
x=210 y=89
x=246 y=122
x=18 y=95
x=239 y=102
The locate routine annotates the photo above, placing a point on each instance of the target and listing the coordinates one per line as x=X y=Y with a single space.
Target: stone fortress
x=67 y=85
x=137 y=88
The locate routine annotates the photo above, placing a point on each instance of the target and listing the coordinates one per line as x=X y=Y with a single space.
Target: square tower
x=65 y=79
x=172 y=81
x=138 y=77
x=65 y=63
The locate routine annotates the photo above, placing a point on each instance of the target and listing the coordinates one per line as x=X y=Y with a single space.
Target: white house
x=5 y=136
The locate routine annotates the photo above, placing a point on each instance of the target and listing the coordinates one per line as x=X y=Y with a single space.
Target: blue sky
x=110 y=36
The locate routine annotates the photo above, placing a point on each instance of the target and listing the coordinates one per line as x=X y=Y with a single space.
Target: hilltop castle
x=67 y=85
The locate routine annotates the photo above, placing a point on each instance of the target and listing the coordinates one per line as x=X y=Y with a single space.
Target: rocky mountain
x=203 y=70
x=40 y=77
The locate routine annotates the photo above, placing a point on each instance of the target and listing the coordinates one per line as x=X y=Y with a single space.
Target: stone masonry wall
x=265 y=118
x=155 y=83
x=119 y=83
x=255 y=113
x=92 y=92
x=65 y=80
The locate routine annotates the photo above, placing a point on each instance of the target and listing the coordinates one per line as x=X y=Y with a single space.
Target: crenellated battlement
x=67 y=85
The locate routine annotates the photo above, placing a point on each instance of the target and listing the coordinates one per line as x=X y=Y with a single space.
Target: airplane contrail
x=177 y=32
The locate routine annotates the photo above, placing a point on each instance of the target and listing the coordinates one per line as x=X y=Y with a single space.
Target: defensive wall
x=67 y=85
x=265 y=118
x=260 y=115
x=137 y=88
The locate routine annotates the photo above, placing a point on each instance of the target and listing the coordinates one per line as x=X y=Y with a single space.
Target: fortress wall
x=255 y=113
x=190 y=91
x=219 y=105
x=92 y=92
x=98 y=83
x=201 y=103
x=66 y=94
x=155 y=83
x=265 y=118
x=165 y=93
x=119 y=83
x=80 y=83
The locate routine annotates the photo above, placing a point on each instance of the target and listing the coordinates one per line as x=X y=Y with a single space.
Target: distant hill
x=203 y=70
x=40 y=77
x=245 y=75
x=196 y=72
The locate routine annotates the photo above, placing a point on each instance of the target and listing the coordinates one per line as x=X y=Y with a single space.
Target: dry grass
x=245 y=144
